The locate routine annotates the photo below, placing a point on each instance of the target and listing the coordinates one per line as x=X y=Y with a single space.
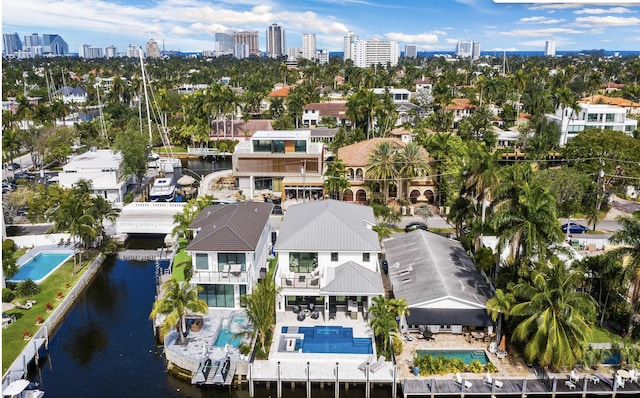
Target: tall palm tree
x=498 y=307
x=73 y=215
x=336 y=182
x=382 y=166
x=412 y=162
x=384 y=314
x=628 y=237
x=260 y=308
x=177 y=298
x=555 y=314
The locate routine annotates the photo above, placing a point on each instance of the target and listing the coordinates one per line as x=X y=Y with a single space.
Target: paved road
x=25 y=163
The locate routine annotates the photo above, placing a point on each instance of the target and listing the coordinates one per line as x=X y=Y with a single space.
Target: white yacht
x=163 y=190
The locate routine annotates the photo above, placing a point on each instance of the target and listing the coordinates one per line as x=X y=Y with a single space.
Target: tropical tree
x=336 y=182
x=498 y=307
x=382 y=166
x=411 y=162
x=260 y=308
x=135 y=153
x=73 y=215
x=555 y=315
x=189 y=213
x=385 y=313
x=176 y=300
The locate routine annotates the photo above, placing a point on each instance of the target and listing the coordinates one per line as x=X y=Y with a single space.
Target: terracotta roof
x=619 y=86
x=358 y=154
x=335 y=109
x=424 y=80
x=603 y=99
x=460 y=103
x=240 y=128
x=230 y=228
x=400 y=131
x=281 y=92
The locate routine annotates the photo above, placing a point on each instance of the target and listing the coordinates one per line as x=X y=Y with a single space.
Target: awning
x=303 y=181
x=441 y=316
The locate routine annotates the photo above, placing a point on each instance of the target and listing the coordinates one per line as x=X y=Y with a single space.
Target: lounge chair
x=570 y=384
x=604 y=378
x=573 y=376
x=489 y=381
x=61 y=242
x=369 y=361
x=619 y=381
x=634 y=376
x=458 y=380
x=68 y=242
x=379 y=364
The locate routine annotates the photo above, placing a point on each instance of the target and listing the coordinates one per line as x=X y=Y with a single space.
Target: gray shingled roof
x=353 y=279
x=230 y=228
x=328 y=225
x=424 y=267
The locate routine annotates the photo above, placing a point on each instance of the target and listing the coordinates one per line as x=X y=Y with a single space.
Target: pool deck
x=39 y=249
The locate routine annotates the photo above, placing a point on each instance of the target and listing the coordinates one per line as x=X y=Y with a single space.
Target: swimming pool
x=329 y=340
x=236 y=324
x=41 y=265
x=466 y=355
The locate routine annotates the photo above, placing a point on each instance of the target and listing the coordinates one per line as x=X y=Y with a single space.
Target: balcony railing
x=300 y=281
x=219 y=277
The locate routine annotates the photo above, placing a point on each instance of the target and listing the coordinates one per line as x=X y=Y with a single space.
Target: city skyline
x=189 y=26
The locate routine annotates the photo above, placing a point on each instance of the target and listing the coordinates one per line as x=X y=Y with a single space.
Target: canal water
x=105 y=347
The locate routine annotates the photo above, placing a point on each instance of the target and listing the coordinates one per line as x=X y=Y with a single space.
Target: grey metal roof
x=328 y=225
x=440 y=316
x=353 y=279
x=230 y=228
x=424 y=266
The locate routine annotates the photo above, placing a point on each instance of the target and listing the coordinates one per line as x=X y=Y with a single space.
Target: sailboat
x=162 y=164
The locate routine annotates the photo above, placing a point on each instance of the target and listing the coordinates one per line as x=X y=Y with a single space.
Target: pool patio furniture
x=376 y=366
x=296 y=309
x=501 y=354
x=235 y=269
x=7 y=320
x=370 y=359
x=315 y=315
x=573 y=376
x=619 y=380
x=493 y=348
x=489 y=381
x=634 y=376
x=594 y=379
x=458 y=380
x=289 y=278
x=301 y=316
x=570 y=384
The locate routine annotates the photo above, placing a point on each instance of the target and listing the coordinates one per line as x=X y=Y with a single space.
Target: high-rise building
x=54 y=45
x=349 y=41
x=134 y=51
x=550 y=48
x=410 y=51
x=374 y=52
x=32 y=40
x=276 y=43
x=322 y=56
x=153 y=51
x=248 y=38
x=294 y=52
x=475 y=53
x=111 y=51
x=241 y=50
x=464 y=49
x=223 y=42
x=11 y=43
x=309 y=46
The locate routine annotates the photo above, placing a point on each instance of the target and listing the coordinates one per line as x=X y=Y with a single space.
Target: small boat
x=162 y=190
x=165 y=165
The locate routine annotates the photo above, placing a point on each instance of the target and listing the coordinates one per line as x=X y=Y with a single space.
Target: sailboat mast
x=146 y=95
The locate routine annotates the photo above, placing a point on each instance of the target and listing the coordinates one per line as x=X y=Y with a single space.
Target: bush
x=475 y=366
x=9 y=265
x=244 y=348
x=28 y=288
x=7 y=295
x=490 y=367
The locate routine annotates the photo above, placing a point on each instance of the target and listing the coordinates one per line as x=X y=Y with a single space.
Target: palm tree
x=498 y=307
x=412 y=162
x=260 y=308
x=189 y=213
x=555 y=314
x=336 y=182
x=382 y=166
x=177 y=298
x=628 y=237
x=73 y=215
x=10 y=143
x=384 y=314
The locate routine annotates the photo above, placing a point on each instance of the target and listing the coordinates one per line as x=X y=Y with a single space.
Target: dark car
x=22 y=176
x=7 y=187
x=385 y=267
x=13 y=166
x=416 y=225
x=574 y=228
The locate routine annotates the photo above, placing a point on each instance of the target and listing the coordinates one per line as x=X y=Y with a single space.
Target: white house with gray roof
x=229 y=251
x=443 y=289
x=328 y=256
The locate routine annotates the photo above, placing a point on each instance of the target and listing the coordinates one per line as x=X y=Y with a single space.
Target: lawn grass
x=174 y=149
x=12 y=337
x=179 y=259
x=602 y=335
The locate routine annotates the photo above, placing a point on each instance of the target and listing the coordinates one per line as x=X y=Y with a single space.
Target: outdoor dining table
x=624 y=374
x=477 y=335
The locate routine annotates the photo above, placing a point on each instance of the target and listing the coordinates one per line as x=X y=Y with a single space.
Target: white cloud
x=612 y=10
x=540 y=20
x=598 y=22
x=419 y=39
x=548 y=32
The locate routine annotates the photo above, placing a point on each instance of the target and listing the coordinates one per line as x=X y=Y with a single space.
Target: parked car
x=385 y=267
x=13 y=166
x=574 y=228
x=22 y=176
x=7 y=187
x=412 y=226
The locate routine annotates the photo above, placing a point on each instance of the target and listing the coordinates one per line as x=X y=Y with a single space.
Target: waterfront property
x=38 y=265
x=229 y=251
x=324 y=340
x=465 y=355
x=327 y=261
x=444 y=291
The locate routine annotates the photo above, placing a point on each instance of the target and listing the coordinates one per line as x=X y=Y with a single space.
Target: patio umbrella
x=15 y=387
x=186 y=180
x=503 y=344
x=427 y=334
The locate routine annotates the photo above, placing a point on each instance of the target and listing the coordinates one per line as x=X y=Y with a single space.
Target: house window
x=231 y=258
x=303 y=262
x=610 y=117
x=261 y=146
x=365 y=257
x=202 y=261
x=301 y=145
x=592 y=117
x=217 y=295
x=334 y=257
x=243 y=293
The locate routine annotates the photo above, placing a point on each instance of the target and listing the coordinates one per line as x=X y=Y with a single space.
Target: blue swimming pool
x=237 y=324
x=330 y=340
x=466 y=355
x=41 y=265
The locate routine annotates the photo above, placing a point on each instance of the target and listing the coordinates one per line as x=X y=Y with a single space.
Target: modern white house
x=102 y=168
x=71 y=95
x=598 y=116
x=444 y=291
x=229 y=251
x=328 y=258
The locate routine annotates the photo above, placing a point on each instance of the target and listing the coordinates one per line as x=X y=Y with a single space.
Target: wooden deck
x=441 y=387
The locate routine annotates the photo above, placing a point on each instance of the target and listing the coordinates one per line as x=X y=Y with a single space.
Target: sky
x=432 y=25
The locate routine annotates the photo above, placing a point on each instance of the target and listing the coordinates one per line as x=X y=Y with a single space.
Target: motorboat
x=162 y=190
x=165 y=165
